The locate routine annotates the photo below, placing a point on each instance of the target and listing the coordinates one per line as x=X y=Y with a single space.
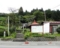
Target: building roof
x=55 y=22
x=35 y=23
x=52 y=21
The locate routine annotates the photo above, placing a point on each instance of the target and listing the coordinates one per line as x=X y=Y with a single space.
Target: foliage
x=2 y=32
x=49 y=35
x=12 y=29
x=36 y=35
x=20 y=12
x=39 y=15
x=27 y=18
x=2 y=29
x=58 y=30
x=17 y=19
x=2 y=21
x=58 y=35
x=13 y=35
x=26 y=13
x=27 y=34
x=3 y=18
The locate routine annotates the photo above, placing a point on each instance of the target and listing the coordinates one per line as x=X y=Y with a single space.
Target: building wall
x=54 y=28
x=37 y=29
x=51 y=28
x=46 y=27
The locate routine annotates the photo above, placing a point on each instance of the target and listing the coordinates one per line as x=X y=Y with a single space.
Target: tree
x=32 y=11
x=39 y=15
x=55 y=15
x=27 y=18
x=26 y=13
x=13 y=20
x=48 y=14
x=58 y=30
x=20 y=12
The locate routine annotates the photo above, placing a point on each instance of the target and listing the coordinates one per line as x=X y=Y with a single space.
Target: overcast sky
x=5 y=5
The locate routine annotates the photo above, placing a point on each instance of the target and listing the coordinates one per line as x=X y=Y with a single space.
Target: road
x=31 y=44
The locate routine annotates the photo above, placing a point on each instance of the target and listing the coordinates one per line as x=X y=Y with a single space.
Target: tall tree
x=20 y=12
x=27 y=18
x=26 y=13
x=39 y=15
x=48 y=14
x=56 y=15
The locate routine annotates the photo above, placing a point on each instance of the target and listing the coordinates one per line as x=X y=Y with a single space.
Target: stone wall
x=43 y=39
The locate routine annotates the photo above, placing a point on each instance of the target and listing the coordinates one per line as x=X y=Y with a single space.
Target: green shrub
x=36 y=35
x=46 y=34
x=26 y=30
x=49 y=35
x=58 y=30
x=12 y=29
x=13 y=35
x=27 y=35
x=2 y=32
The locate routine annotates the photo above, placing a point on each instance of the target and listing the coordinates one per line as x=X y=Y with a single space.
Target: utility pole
x=8 y=26
x=19 y=22
x=45 y=15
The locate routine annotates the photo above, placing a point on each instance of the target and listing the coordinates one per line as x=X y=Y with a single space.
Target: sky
x=6 y=5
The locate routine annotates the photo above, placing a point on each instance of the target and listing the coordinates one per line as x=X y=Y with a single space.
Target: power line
x=53 y=8
x=56 y=6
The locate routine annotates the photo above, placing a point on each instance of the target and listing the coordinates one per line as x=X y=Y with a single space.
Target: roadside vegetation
x=16 y=21
x=28 y=34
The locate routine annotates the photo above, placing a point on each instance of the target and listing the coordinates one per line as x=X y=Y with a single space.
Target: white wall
x=36 y=29
x=46 y=27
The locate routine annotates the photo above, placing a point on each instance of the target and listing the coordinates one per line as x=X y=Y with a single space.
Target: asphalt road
x=31 y=44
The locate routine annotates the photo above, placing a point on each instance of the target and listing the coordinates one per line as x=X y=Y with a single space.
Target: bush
x=49 y=35
x=27 y=35
x=12 y=29
x=58 y=30
x=36 y=35
x=2 y=32
x=46 y=34
x=13 y=35
x=26 y=30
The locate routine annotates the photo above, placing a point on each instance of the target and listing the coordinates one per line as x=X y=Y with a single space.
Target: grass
x=48 y=35
x=18 y=28
x=13 y=35
x=36 y=35
x=3 y=27
x=27 y=34
x=3 y=18
x=58 y=35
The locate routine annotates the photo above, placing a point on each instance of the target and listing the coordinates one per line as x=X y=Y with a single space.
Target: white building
x=46 y=27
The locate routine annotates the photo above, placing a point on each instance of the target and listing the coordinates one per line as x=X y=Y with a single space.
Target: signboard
x=36 y=29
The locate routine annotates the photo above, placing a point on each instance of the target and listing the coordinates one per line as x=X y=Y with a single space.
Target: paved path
x=32 y=44
x=4 y=46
